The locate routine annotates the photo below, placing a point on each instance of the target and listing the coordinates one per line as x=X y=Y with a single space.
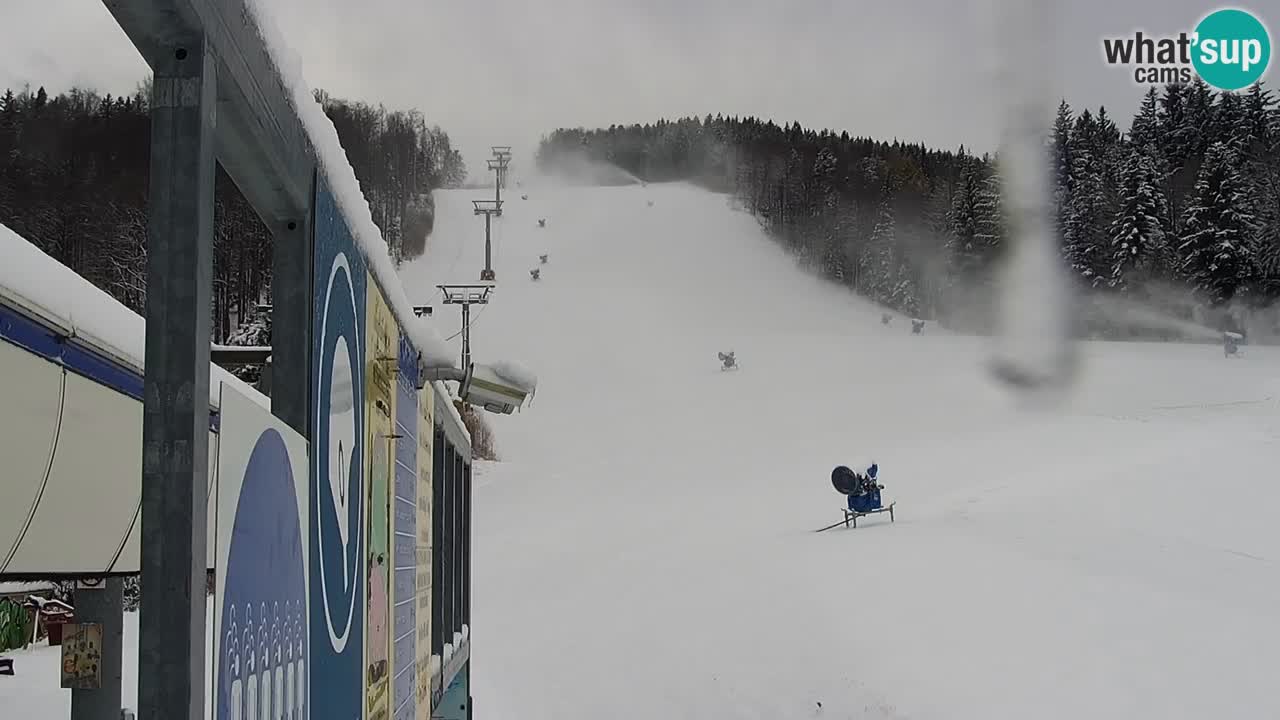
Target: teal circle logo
x=1232 y=49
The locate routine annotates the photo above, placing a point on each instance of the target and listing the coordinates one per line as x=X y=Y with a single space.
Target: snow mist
x=1034 y=349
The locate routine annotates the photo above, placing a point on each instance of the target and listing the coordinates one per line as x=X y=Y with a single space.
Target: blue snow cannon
x=863 y=492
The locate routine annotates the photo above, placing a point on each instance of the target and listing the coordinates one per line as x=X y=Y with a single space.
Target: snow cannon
x=885 y=319
x=650 y=203
x=535 y=274
x=862 y=494
x=524 y=196
x=542 y=259
x=485 y=387
x=916 y=326
x=1231 y=343
x=542 y=222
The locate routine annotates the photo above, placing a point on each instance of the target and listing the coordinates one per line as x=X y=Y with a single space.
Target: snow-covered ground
x=645 y=549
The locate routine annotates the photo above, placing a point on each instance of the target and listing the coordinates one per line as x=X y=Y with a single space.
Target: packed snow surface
x=646 y=547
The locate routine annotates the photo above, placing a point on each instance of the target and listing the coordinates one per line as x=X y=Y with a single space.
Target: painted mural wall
x=381 y=360
x=324 y=573
x=261 y=594
x=337 y=514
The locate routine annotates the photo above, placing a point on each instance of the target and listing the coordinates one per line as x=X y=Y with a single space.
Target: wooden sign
x=82 y=656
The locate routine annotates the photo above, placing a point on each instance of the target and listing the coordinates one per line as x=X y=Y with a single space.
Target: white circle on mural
x=337 y=487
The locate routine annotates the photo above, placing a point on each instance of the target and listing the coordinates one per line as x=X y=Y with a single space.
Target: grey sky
x=507 y=71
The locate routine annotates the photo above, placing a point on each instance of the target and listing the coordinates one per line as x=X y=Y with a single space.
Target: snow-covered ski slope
x=646 y=547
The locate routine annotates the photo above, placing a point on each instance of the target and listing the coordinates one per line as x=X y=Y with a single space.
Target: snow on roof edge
x=97 y=318
x=346 y=190
x=516 y=374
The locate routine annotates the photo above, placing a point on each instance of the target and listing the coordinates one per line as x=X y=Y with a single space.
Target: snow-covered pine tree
x=825 y=202
x=1267 y=241
x=1061 y=151
x=1219 y=230
x=1230 y=124
x=844 y=223
x=963 y=221
x=1085 y=241
x=1197 y=131
x=881 y=252
x=1138 y=233
x=1145 y=129
x=906 y=294
x=1108 y=151
x=1274 y=128
x=989 y=221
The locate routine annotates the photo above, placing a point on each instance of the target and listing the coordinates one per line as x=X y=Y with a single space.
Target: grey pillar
x=488 y=243
x=291 y=299
x=175 y=420
x=102 y=605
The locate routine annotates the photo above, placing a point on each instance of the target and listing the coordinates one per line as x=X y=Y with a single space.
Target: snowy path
x=645 y=548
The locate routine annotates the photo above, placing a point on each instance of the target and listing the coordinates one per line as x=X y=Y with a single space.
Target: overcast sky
x=507 y=71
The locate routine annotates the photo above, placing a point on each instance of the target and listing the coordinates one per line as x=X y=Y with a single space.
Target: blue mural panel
x=264 y=643
x=261 y=642
x=337 y=458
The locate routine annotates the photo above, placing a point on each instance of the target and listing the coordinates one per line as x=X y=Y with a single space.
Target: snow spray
x=1033 y=349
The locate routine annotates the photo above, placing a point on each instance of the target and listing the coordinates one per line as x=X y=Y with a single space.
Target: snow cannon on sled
x=535 y=274
x=862 y=491
x=728 y=362
x=1231 y=344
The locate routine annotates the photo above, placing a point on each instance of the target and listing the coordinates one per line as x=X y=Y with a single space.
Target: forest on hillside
x=1181 y=213
x=74 y=174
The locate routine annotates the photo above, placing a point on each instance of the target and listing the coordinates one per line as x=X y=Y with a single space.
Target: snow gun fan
x=845 y=480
